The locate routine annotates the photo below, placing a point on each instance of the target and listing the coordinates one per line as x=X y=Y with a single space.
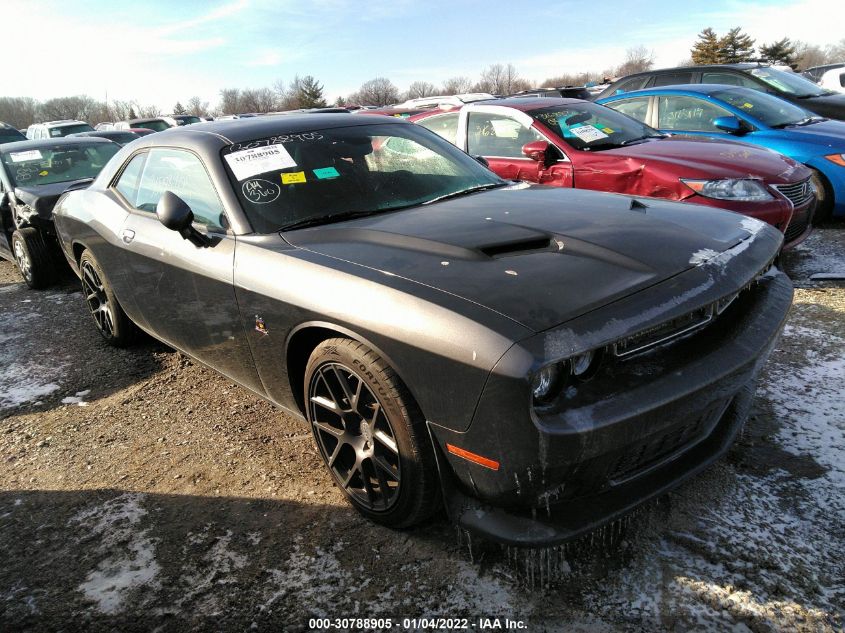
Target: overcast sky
x=161 y=51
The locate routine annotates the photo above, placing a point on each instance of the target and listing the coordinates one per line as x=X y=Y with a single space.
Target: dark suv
x=784 y=84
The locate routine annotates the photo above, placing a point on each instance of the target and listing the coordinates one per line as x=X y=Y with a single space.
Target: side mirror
x=176 y=215
x=482 y=160
x=536 y=150
x=730 y=124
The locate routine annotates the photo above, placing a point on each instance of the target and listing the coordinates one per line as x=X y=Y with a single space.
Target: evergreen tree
x=132 y=114
x=735 y=47
x=782 y=52
x=179 y=108
x=707 y=49
x=311 y=93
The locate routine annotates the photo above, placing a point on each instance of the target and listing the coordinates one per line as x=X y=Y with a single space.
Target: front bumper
x=638 y=429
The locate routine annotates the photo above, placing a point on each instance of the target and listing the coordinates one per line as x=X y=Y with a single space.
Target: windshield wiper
x=639 y=139
x=328 y=219
x=464 y=192
x=807 y=121
x=342 y=216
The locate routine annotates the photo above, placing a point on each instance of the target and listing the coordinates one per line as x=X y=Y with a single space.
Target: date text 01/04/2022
x=416 y=624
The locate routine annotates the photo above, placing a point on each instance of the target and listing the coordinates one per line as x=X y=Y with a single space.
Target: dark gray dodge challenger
x=539 y=361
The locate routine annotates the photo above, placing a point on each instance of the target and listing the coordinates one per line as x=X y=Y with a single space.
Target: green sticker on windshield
x=326 y=172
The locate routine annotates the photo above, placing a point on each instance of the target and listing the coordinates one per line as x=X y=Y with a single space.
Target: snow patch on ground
x=129 y=566
x=23 y=376
x=77 y=399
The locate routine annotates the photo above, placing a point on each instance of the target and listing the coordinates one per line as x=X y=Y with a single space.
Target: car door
x=499 y=138
x=7 y=225
x=185 y=293
x=690 y=116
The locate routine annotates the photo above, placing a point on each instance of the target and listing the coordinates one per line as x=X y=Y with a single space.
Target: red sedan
x=573 y=143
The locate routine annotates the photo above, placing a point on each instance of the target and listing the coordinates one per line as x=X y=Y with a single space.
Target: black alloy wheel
x=111 y=321
x=370 y=433
x=355 y=436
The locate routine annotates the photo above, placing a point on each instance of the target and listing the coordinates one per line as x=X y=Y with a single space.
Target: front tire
x=824 y=198
x=370 y=434
x=112 y=323
x=33 y=258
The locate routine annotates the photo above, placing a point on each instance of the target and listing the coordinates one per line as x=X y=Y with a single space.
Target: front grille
x=796 y=227
x=797 y=193
x=646 y=453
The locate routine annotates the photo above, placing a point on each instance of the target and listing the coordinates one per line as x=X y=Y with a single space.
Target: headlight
x=839 y=159
x=582 y=364
x=730 y=189
x=546 y=381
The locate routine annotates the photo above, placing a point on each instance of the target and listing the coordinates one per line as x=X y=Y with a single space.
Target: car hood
x=832 y=106
x=830 y=134
x=42 y=198
x=705 y=158
x=538 y=255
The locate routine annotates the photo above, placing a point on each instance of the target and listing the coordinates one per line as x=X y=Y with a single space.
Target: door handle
x=127 y=236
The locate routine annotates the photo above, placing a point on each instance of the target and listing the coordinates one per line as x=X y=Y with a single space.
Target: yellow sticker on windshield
x=607 y=130
x=43 y=173
x=293 y=178
x=747 y=105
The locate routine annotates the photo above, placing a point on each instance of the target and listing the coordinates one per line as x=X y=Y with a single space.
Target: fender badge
x=259 y=325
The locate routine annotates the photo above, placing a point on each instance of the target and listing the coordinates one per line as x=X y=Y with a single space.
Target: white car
x=56 y=129
x=437 y=101
x=830 y=76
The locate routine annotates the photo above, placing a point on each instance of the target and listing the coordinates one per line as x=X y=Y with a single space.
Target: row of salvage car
x=538 y=360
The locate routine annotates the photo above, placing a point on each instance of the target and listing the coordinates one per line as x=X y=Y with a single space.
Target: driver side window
x=149 y=175
x=688 y=114
x=497 y=135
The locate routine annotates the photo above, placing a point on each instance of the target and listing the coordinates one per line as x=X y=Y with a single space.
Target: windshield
x=592 y=127
x=789 y=83
x=771 y=110
x=122 y=138
x=299 y=178
x=186 y=119
x=157 y=125
x=65 y=130
x=58 y=163
x=10 y=134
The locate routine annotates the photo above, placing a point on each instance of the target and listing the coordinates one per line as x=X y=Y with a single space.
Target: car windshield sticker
x=259 y=160
x=588 y=133
x=43 y=173
x=20 y=157
x=260 y=191
x=607 y=130
x=747 y=105
x=326 y=172
x=293 y=177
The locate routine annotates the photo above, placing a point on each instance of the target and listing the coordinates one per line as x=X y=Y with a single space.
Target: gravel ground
x=140 y=491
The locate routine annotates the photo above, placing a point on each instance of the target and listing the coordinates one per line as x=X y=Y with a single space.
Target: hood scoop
x=516 y=247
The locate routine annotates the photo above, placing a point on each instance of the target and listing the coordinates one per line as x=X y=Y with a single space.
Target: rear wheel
x=370 y=434
x=32 y=255
x=824 y=198
x=111 y=321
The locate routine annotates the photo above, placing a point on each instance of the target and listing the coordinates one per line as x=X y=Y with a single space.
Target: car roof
x=47 y=142
x=705 y=89
x=526 y=104
x=736 y=66
x=240 y=130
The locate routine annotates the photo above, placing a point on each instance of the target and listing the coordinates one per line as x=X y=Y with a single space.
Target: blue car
x=750 y=116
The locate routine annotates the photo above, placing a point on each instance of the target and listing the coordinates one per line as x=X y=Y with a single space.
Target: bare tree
x=457 y=85
x=572 y=79
x=258 y=100
x=637 y=60
x=197 y=106
x=80 y=107
x=420 y=89
x=501 y=79
x=379 y=92
x=19 y=112
x=148 y=111
x=230 y=101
